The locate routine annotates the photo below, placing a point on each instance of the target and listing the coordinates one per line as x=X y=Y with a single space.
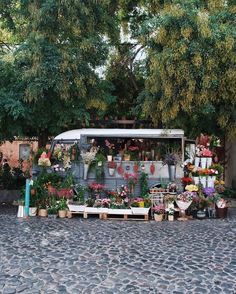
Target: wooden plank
x=126 y=217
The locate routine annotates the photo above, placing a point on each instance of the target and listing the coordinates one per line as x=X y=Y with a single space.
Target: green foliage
x=143 y=180
x=11 y=178
x=50 y=82
x=80 y=193
x=45 y=177
x=67 y=182
x=62 y=204
x=191 y=65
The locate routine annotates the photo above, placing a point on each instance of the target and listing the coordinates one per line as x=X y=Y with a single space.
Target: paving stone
x=8 y=290
x=93 y=256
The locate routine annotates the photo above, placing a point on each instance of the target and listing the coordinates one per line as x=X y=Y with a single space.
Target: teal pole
x=27 y=197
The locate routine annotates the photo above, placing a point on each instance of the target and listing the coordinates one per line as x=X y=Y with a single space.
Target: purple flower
x=209 y=191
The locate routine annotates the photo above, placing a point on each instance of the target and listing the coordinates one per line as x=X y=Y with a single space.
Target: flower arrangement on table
x=44 y=160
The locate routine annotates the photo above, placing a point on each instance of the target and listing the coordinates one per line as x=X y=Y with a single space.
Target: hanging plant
x=136 y=167
x=120 y=169
x=152 y=168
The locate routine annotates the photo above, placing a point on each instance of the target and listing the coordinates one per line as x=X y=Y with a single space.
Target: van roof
x=134 y=133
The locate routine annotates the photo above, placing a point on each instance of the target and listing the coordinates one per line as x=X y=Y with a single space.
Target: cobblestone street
x=93 y=256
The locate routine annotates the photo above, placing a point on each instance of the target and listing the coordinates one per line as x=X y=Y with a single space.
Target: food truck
x=111 y=156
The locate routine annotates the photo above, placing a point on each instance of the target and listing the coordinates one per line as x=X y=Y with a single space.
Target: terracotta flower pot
x=221 y=212
x=158 y=217
x=43 y=212
x=62 y=213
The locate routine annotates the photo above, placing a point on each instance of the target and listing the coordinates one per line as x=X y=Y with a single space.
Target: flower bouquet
x=183 y=201
x=87 y=158
x=44 y=160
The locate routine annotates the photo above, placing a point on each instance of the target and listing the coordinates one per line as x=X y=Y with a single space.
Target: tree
x=126 y=72
x=61 y=43
x=191 y=57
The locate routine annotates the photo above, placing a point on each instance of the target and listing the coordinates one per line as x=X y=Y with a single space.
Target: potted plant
x=52 y=212
x=140 y=210
x=221 y=207
x=143 y=180
x=203 y=203
x=171 y=160
x=42 y=210
x=65 y=188
x=171 y=212
x=111 y=167
x=158 y=212
x=42 y=201
x=33 y=205
x=21 y=207
x=62 y=208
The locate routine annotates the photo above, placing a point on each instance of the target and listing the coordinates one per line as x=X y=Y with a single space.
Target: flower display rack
x=105 y=213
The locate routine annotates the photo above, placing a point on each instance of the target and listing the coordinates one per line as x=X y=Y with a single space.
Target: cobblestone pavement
x=93 y=256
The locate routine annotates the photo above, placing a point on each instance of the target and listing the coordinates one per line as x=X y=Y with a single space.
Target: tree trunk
x=42 y=139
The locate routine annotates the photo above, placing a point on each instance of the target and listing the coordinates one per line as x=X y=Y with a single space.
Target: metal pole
x=27 y=197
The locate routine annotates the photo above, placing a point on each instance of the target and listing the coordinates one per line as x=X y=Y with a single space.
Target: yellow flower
x=191 y=188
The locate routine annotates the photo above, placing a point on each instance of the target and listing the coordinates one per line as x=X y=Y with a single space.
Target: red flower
x=186 y=180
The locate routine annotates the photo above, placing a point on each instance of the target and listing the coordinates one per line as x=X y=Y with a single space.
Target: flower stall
x=128 y=176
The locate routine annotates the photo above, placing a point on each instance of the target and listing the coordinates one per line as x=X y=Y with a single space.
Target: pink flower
x=206 y=152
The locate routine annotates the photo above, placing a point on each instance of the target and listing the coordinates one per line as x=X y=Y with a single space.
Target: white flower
x=88 y=156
